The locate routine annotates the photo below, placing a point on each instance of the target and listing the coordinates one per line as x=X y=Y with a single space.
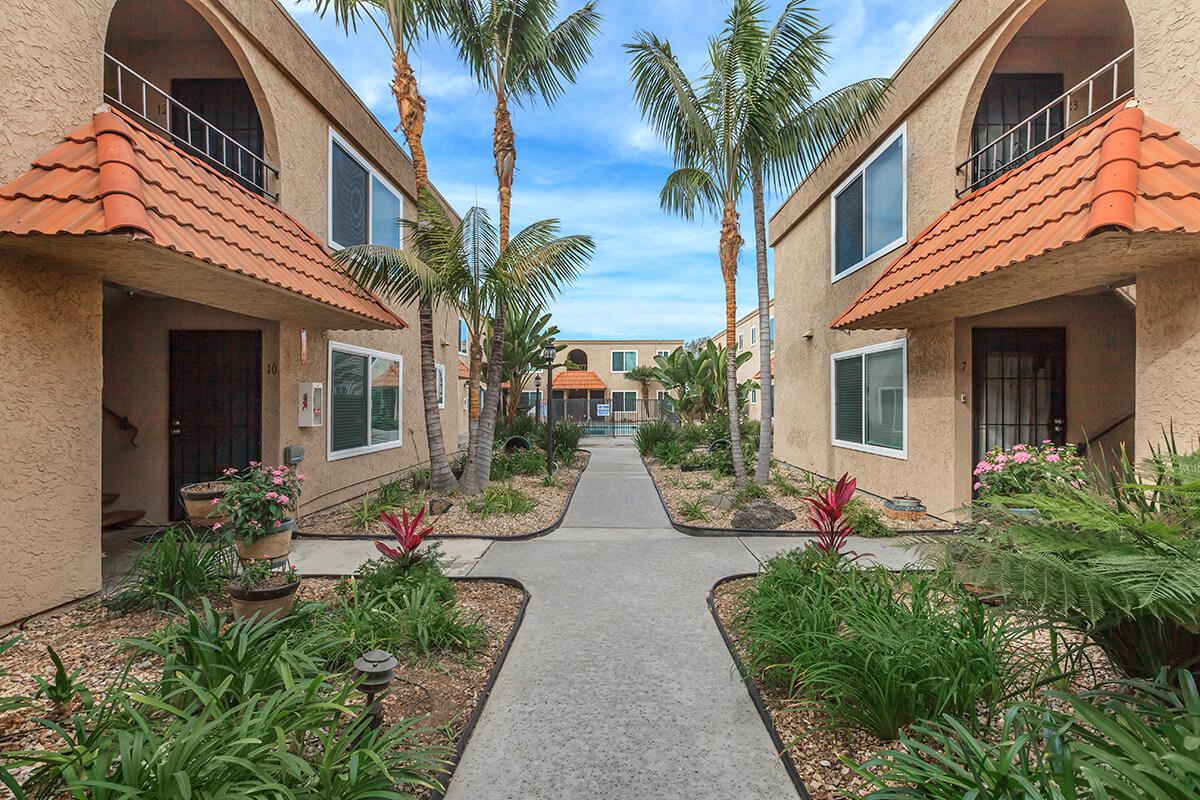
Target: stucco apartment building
x=1010 y=256
x=748 y=336
x=599 y=374
x=173 y=175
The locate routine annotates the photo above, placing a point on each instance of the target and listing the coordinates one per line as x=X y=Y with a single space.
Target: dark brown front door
x=216 y=405
x=228 y=105
x=1020 y=387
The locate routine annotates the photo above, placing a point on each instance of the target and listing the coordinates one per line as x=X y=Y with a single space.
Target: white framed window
x=441 y=384
x=466 y=395
x=754 y=334
x=624 y=401
x=529 y=399
x=624 y=360
x=366 y=401
x=771 y=329
x=869 y=212
x=739 y=341
x=364 y=206
x=754 y=397
x=869 y=389
x=663 y=353
x=463 y=337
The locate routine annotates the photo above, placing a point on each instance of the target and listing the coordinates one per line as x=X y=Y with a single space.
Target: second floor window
x=869 y=208
x=624 y=360
x=363 y=206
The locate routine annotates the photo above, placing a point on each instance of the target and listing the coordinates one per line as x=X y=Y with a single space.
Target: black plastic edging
x=699 y=530
x=781 y=748
x=520 y=537
x=464 y=736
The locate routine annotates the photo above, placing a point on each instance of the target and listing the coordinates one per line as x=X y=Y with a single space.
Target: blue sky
x=590 y=162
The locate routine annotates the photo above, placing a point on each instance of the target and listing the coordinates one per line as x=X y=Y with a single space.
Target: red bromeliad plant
x=827 y=509
x=409 y=535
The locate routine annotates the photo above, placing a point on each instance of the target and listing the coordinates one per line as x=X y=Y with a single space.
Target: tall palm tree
x=790 y=130
x=401 y=23
x=705 y=128
x=514 y=50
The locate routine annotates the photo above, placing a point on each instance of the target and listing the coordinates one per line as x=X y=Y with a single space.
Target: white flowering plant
x=1028 y=469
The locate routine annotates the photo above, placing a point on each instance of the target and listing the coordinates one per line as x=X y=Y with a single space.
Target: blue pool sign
x=602 y=410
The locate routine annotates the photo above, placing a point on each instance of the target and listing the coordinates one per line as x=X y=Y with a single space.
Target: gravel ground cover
x=550 y=502
x=682 y=490
x=816 y=749
x=442 y=690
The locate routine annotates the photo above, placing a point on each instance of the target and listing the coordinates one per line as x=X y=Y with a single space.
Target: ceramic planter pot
x=276 y=544
x=276 y=601
x=198 y=502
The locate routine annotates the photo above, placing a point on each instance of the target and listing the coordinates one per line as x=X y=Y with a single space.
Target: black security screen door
x=216 y=405
x=1020 y=387
x=229 y=106
x=1008 y=100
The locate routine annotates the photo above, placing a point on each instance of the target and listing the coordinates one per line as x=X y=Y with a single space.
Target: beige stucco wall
x=746 y=324
x=50 y=459
x=599 y=353
x=934 y=95
x=1168 y=355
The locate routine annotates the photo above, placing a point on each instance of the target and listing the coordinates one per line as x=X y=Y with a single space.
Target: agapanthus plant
x=409 y=532
x=827 y=513
x=259 y=499
x=1028 y=469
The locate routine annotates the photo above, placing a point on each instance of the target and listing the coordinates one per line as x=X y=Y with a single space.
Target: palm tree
x=705 y=128
x=401 y=23
x=790 y=131
x=515 y=51
x=529 y=329
x=644 y=375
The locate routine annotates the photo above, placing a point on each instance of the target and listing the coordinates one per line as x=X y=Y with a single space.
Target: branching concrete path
x=618 y=684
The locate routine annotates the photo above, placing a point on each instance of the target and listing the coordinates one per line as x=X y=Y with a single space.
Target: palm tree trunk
x=474 y=403
x=731 y=242
x=762 y=472
x=411 y=107
x=504 y=150
x=441 y=478
x=491 y=406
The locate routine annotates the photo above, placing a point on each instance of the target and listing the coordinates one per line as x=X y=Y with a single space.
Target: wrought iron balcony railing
x=135 y=94
x=1099 y=92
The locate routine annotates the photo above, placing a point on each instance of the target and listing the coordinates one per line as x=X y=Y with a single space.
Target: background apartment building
x=1010 y=256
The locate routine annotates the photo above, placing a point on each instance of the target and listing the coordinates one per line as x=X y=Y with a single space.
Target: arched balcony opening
x=1063 y=65
x=167 y=66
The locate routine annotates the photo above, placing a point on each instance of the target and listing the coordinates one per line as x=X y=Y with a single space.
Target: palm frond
x=689 y=190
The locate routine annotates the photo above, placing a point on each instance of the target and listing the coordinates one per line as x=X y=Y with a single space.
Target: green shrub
x=1116 y=556
x=432 y=625
x=179 y=565
x=1137 y=739
x=875 y=649
x=395 y=493
x=866 y=520
x=418 y=479
x=750 y=492
x=693 y=510
x=368 y=511
x=691 y=435
x=521 y=426
x=518 y=462
x=500 y=499
x=380 y=576
x=652 y=434
x=671 y=454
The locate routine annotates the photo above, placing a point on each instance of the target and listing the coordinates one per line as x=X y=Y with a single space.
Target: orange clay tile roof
x=113 y=176
x=758 y=375
x=1124 y=172
x=578 y=379
x=464 y=372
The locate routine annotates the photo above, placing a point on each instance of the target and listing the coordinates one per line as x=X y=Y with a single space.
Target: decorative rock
x=439 y=506
x=762 y=515
x=719 y=500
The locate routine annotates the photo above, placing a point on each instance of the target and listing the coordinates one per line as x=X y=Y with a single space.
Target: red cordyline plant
x=409 y=534
x=827 y=510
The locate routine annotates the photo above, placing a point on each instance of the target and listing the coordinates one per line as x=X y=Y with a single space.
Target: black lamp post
x=376 y=668
x=537 y=409
x=548 y=352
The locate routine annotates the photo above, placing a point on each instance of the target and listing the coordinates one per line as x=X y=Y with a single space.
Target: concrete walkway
x=618 y=684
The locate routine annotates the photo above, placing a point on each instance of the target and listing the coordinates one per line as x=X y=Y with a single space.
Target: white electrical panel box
x=312 y=405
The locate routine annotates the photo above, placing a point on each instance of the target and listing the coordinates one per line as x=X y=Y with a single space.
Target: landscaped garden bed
x=517 y=504
x=1051 y=650
x=213 y=698
x=709 y=501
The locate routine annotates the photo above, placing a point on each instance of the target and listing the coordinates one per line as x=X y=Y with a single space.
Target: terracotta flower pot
x=276 y=544
x=276 y=601
x=198 y=502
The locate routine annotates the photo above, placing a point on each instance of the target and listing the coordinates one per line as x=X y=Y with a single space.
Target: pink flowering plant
x=409 y=532
x=1028 y=469
x=259 y=499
